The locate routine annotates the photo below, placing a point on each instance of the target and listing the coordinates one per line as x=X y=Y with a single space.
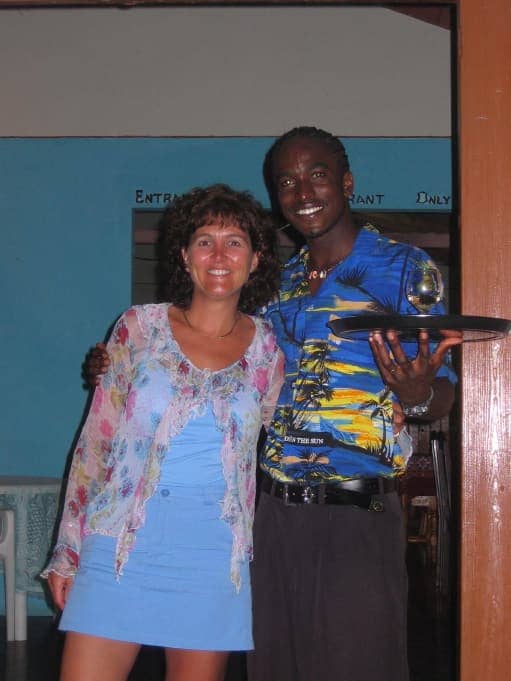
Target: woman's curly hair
x=203 y=206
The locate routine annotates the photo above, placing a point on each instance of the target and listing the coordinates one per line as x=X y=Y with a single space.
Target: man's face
x=312 y=191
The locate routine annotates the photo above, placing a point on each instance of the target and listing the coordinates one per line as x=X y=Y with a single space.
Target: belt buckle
x=308 y=495
x=376 y=505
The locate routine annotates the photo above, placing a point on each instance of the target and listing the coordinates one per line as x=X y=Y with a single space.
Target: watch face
x=419 y=409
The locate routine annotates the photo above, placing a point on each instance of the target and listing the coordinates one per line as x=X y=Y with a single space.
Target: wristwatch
x=420 y=409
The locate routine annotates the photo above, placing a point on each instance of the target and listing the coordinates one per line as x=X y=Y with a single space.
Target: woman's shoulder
x=265 y=332
x=150 y=314
x=262 y=324
x=143 y=319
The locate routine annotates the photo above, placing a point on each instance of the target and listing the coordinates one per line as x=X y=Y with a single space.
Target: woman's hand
x=96 y=363
x=59 y=587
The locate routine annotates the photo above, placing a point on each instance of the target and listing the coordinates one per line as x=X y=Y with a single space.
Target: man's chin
x=309 y=229
x=314 y=232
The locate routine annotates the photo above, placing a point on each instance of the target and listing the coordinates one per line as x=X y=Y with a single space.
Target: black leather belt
x=356 y=492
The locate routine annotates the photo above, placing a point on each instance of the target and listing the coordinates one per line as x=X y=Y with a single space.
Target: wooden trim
x=438 y=16
x=485 y=140
x=206 y=3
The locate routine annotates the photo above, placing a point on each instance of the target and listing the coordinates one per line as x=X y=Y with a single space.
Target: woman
x=156 y=534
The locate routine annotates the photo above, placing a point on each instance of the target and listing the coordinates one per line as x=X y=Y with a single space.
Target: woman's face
x=219 y=259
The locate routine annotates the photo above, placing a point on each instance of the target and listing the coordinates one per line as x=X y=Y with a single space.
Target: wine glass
x=424 y=286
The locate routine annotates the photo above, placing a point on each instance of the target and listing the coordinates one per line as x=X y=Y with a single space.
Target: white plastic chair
x=7 y=549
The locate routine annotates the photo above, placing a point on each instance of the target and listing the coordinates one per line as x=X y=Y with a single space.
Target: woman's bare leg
x=195 y=665
x=91 y=658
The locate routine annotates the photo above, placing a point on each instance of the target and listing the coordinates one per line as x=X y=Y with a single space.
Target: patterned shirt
x=150 y=393
x=333 y=419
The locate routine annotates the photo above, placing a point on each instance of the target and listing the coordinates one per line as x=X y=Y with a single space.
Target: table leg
x=20 y=616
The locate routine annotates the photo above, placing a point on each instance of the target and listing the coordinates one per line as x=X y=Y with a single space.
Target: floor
x=431 y=641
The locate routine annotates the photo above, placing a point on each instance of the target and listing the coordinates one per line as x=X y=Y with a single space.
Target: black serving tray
x=472 y=328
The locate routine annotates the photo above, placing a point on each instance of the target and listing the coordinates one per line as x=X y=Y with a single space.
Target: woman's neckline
x=231 y=365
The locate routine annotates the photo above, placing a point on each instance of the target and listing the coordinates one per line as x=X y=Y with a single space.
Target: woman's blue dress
x=175 y=590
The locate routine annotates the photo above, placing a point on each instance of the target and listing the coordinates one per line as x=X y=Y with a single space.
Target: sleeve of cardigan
x=90 y=458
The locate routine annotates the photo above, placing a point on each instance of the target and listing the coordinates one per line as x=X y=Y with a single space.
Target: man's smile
x=309 y=210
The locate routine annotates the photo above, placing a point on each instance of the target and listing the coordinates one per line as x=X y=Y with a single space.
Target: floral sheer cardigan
x=116 y=463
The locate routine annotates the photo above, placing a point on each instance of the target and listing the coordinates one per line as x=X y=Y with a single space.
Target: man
x=329 y=577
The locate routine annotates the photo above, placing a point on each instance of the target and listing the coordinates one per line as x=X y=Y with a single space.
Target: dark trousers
x=329 y=593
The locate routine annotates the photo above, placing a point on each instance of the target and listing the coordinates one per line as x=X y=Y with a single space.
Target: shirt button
x=165 y=492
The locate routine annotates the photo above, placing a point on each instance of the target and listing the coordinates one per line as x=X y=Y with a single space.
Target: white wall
x=222 y=71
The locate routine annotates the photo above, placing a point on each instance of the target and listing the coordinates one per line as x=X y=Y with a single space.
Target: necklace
x=224 y=335
x=321 y=273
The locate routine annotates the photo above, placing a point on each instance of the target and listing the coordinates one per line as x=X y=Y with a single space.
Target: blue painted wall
x=66 y=212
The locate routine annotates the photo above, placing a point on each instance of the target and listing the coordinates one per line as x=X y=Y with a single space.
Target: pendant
x=317 y=274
